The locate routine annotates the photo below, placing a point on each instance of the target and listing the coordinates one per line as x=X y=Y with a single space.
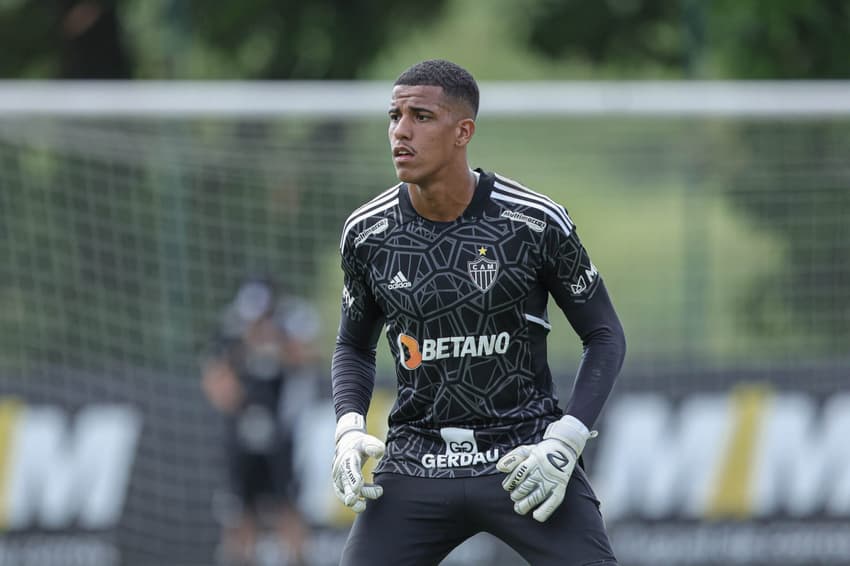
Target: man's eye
x=393 y=116
x=422 y=117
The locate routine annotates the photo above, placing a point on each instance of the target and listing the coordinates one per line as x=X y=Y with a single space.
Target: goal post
x=779 y=99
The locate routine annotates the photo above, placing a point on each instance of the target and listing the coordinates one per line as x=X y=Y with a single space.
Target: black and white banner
x=732 y=468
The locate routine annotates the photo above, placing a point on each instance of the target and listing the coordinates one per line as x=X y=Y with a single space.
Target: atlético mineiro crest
x=483 y=271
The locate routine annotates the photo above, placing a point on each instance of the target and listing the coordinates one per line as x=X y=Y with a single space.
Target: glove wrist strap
x=571 y=432
x=347 y=423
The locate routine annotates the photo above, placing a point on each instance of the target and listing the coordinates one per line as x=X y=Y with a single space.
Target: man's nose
x=402 y=128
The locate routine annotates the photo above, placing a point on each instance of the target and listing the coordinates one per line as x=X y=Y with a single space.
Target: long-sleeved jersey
x=464 y=304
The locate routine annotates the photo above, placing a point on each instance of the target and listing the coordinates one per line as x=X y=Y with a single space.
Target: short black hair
x=456 y=81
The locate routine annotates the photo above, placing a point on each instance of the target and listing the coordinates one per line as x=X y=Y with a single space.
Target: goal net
x=718 y=214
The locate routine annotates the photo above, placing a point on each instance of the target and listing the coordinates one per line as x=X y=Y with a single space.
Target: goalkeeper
x=458 y=264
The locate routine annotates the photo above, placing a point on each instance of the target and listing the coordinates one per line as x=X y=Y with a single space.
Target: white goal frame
x=772 y=99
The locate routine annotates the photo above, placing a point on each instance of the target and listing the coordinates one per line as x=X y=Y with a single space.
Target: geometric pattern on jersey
x=465 y=308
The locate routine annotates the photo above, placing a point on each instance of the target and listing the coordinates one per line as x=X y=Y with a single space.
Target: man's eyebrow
x=396 y=108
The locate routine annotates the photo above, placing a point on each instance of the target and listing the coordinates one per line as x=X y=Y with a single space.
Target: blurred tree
x=264 y=39
x=762 y=39
x=780 y=39
x=30 y=39
x=618 y=33
x=92 y=45
x=73 y=39
x=321 y=39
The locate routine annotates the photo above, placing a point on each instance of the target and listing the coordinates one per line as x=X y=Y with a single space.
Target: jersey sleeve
x=578 y=289
x=361 y=320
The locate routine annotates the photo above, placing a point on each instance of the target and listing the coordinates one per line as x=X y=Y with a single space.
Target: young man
x=458 y=265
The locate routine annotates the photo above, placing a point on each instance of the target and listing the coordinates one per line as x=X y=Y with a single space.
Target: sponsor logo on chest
x=411 y=355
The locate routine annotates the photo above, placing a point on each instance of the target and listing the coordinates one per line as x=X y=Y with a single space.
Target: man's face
x=423 y=132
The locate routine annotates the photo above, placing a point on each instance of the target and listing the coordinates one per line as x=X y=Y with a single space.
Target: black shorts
x=261 y=478
x=418 y=521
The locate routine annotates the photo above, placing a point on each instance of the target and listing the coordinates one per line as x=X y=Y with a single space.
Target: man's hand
x=538 y=474
x=353 y=446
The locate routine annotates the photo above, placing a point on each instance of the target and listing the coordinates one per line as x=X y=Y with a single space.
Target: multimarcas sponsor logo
x=411 y=355
x=533 y=223
x=376 y=228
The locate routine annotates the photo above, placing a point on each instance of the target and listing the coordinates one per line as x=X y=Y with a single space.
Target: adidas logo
x=399 y=282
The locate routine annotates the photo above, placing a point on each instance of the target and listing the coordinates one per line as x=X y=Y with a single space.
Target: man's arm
x=579 y=291
x=353 y=379
x=353 y=365
x=537 y=475
x=596 y=323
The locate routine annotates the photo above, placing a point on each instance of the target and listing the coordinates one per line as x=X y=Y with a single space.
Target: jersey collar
x=474 y=209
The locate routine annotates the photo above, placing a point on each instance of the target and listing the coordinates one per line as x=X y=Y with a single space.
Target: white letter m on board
x=59 y=473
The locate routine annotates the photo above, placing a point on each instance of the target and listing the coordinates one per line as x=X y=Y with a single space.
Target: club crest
x=483 y=272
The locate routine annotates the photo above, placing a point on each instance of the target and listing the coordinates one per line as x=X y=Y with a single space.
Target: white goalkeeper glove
x=538 y=473
x=353 y=446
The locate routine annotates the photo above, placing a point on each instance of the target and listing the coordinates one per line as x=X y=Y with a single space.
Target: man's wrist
x=571 y=432
x=348 y=422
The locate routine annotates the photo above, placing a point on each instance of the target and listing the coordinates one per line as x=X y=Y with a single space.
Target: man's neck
x=445 y=200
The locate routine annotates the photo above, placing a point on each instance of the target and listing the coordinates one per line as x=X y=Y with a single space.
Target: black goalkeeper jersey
x=464 y=305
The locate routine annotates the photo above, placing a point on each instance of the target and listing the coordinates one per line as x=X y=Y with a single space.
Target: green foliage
x=320 y=39
x=499 y=39
x=249 y=39
x=622 y=33
x=30 y=46
x=762 y=39
x=779 y=39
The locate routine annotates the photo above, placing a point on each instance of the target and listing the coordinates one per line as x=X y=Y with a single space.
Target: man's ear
x=464 y=131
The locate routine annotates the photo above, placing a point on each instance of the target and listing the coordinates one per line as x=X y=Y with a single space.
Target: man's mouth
x=401 y=153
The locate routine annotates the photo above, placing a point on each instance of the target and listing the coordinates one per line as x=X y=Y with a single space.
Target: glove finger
x=524 y=488
x=519 y=474
x=371 y=491
x=372 y=446
x=339 y=491
x=359 y=505
x=351 y=480
x=526 y=504
x=350 y=496
x=336 y=469
x=510 y=460
x=338 y=481
x=552 y=502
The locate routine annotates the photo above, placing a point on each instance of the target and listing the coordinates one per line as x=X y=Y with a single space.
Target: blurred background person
x=258 y=372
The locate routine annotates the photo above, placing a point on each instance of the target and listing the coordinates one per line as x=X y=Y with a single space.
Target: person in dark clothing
x=248 y=369
x=457 y=265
